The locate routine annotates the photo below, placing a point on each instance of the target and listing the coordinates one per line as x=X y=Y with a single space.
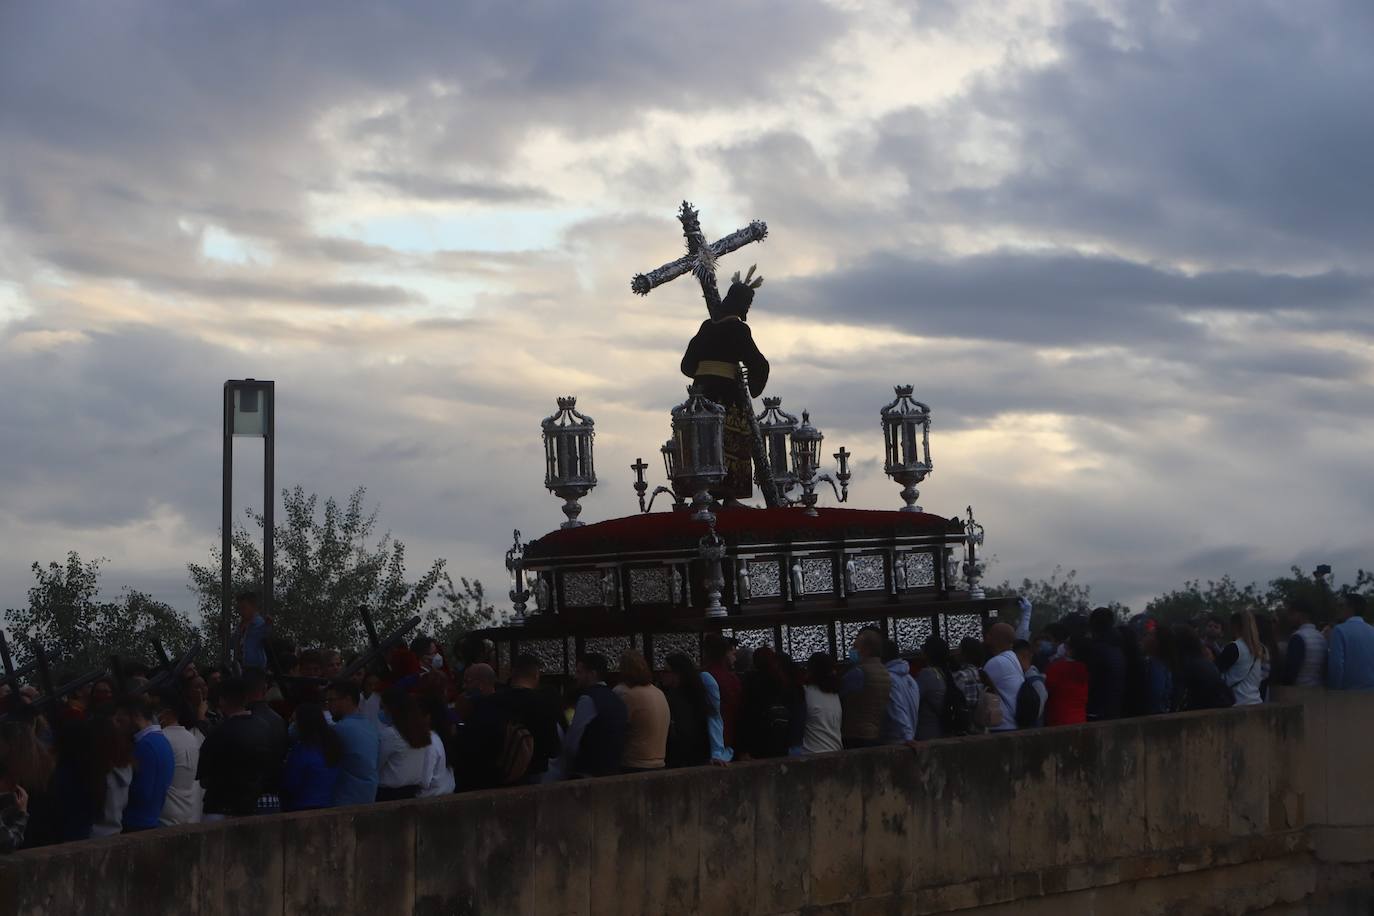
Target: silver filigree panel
x=870 y=573
x=651 y=586
x=610 y=647
x=849 y=629
x=754 y=637
x=911 y=633
x=920 y=570
x=583 y=589
x=806 y=640
x=818 y=576
x=549 y=652
x=764 y=579
x=666 y=644
x=960 y=626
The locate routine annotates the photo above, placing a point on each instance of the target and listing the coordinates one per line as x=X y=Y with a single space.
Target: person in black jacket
x=765 y=715
x=1197 y=682
x=1106 y=667
x=255 y=684
x=235 y=758
x=536 y=712
x=596 y=737
x=689 y=740
x=712 y=362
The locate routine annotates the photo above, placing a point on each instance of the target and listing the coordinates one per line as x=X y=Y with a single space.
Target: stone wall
x=1188 y=813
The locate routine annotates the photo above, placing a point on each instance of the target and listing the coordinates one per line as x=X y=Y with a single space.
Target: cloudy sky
x=1122 y=249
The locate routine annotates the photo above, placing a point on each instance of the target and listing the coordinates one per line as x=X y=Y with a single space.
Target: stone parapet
x=1132 y=816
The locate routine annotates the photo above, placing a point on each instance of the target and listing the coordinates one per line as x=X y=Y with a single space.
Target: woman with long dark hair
x=933 y=680
x=794 y=687
x=1161 y=663
x=109 y=774
x=404 y=739
x=312 y=764
x=765 y=717
x=689 y=742
x=824 y=714
x=1135 y=697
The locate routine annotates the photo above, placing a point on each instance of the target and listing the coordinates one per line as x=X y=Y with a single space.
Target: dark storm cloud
x=1200 y=131
x=1056 y=298
x=158 y=114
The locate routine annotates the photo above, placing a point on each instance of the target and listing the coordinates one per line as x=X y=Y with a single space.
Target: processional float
x=792 y=574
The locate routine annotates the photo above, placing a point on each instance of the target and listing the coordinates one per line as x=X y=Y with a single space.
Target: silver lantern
x=777 y=426
x=569 y=472
x=906 y=436
x=806 y=459
x=696 y=459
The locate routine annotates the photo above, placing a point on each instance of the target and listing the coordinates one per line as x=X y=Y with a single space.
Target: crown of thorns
x=749 y=279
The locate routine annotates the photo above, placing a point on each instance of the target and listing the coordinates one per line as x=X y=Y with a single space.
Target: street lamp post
x=250 y=410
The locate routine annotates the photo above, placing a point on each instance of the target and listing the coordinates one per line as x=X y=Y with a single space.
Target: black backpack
x=1028 y=703
x=956 y=718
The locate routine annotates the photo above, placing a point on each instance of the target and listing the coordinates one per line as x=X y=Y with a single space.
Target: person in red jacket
x=1067 y=683
x=718 y=657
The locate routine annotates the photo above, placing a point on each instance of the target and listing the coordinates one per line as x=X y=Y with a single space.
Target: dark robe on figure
x=712 y=362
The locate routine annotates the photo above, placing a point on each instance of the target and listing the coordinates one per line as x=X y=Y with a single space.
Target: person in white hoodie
x=903 y=702
x=185 y=797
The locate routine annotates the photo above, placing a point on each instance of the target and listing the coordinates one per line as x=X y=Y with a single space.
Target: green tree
x=1221 y=597
x=1051 y=598
x=79 y=632
x=463 y=608
x=330 y=561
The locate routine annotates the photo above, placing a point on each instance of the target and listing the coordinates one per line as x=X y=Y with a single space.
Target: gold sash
x=718 y=368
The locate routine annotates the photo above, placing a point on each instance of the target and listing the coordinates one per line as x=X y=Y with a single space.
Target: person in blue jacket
x=154 y=764
x=357 y=782
x=312 y=765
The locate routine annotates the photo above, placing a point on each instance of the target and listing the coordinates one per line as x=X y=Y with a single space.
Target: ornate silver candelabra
x=806 y=450
x=642 y=486
x=515 y=565
x=711 y=548
x=569 y=472
x=906 y=437
x=973 y=566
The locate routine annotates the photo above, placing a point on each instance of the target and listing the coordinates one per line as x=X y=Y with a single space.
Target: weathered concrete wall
x=1189 y=813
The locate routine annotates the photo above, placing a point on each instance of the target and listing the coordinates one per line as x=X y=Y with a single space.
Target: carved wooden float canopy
x=797 y=583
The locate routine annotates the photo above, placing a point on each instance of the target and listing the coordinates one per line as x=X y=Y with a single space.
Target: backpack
x=517 y=750
x=779 y=727
x=1028 y=709
x=989 y=712
x=955 y=717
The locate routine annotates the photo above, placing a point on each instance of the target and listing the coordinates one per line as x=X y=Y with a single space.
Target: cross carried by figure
x=701 y=258
x=700 y=261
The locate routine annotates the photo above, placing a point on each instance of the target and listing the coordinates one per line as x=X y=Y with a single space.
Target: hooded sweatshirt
x=903 y=705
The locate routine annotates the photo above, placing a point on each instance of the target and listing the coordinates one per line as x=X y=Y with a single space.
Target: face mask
x=854 y=656
x=1045 y=646
x=436 y=662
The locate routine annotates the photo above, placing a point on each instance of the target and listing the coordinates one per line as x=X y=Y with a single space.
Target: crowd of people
x=120 y=758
